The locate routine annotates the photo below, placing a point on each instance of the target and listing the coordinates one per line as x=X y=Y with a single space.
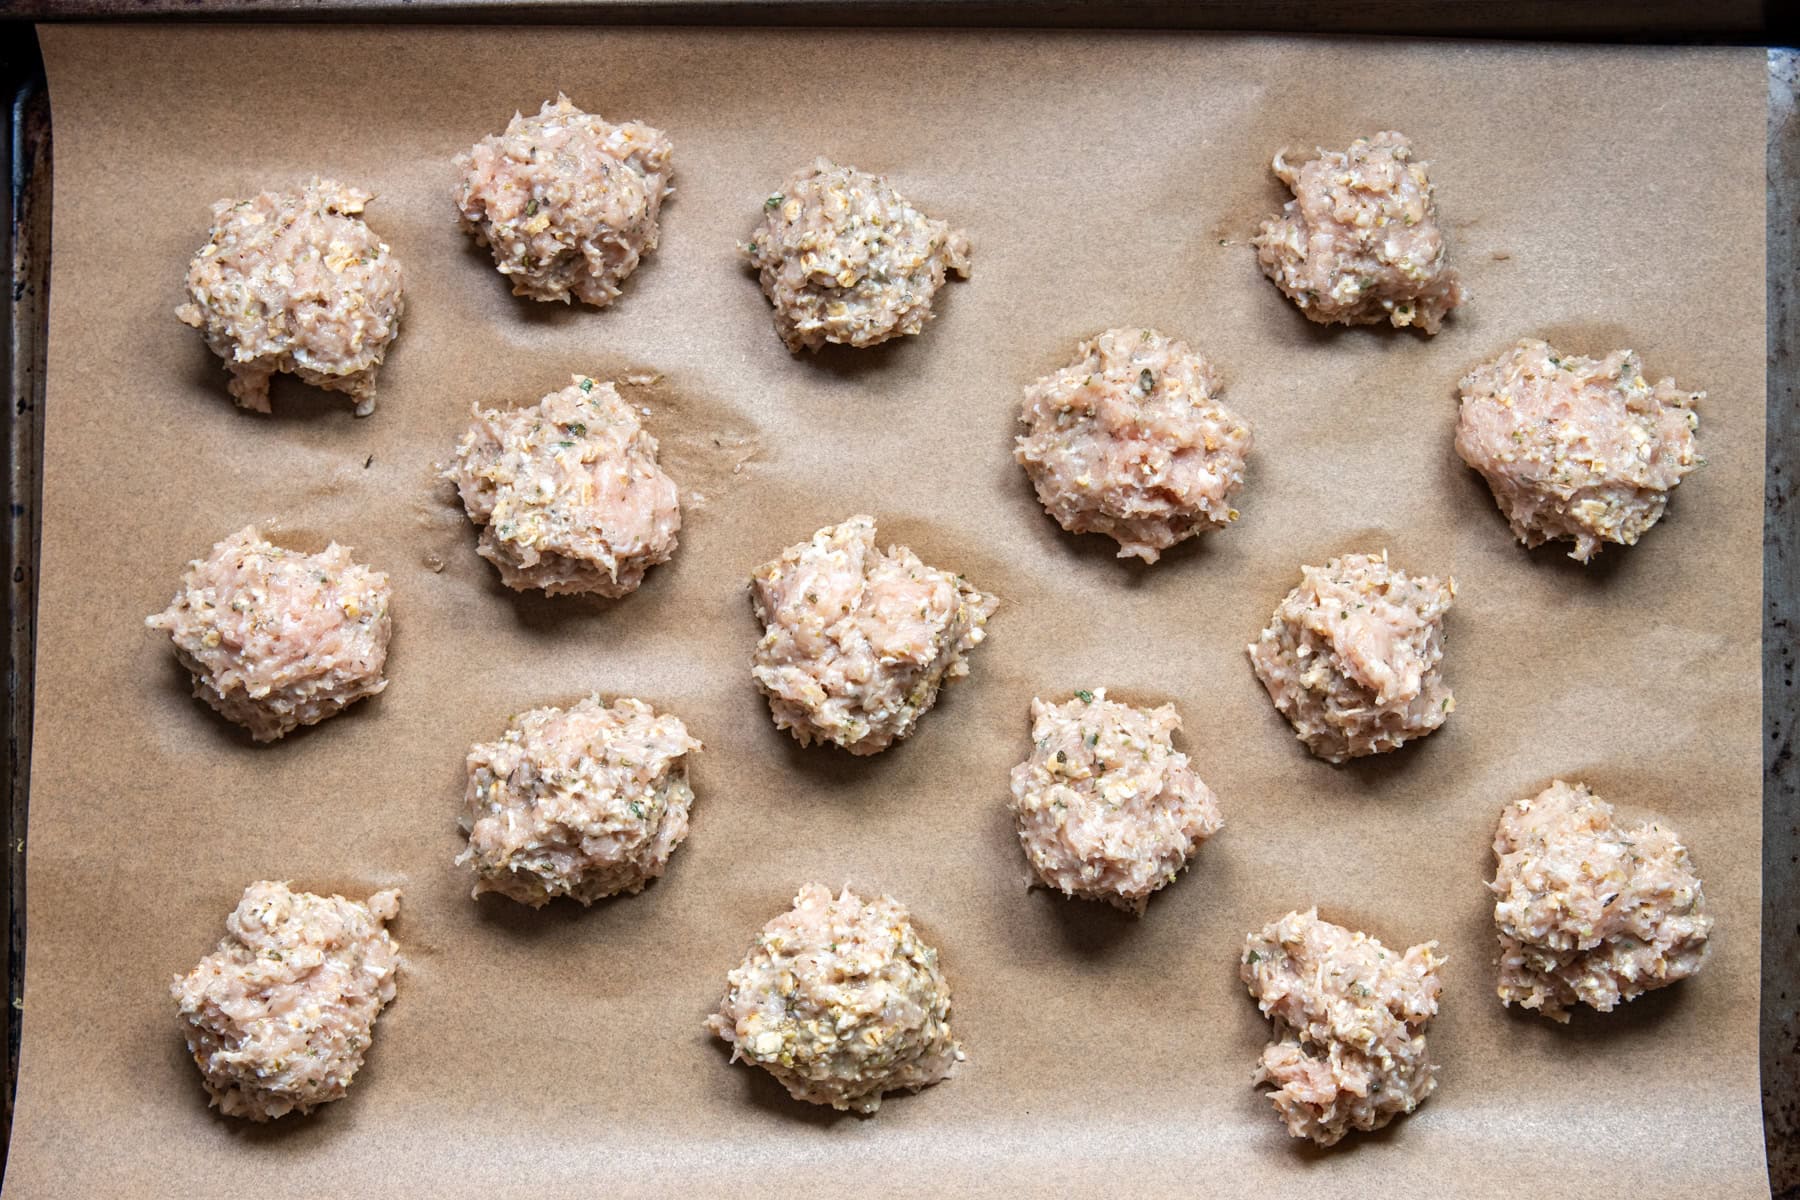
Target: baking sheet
x=1599 y=197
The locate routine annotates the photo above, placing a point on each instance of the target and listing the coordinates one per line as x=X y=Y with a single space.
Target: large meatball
x=841 y=1001
x=1129 y=440
x=566 y=202
x=276 y=639
x=1576 y=449
x=1349 y=1022
x=857 y=640
x=1352 y=656
x=568 y=493
x=585 y=803
x=1590 y=912
x=278 y=1018
x=1359 y=243
x=1107 y=808
x=296 y=282
x=845 y=258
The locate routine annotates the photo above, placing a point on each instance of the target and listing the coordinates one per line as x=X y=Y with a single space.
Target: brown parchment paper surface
x=1603 y=198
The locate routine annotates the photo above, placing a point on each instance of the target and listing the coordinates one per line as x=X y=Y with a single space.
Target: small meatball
x=1351 y=657
x=1576 y=449
x=841 y=1001
x=585 y=803
x=278 y=1018
x=1349 y=1023
x=1107 y=808
x=566 y=202
x=1359 y=243
x=1590 y=912
x=845 y=258
x=568 y=493
x=1128 y=440
x=857 y=640
x=296 y=283
x=276 y=639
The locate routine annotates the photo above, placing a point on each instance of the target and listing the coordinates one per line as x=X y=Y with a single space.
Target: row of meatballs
x=839 y=998
x=1130 y=440
x=842 y=1001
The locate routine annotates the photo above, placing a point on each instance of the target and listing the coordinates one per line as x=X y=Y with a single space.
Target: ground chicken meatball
x=296 y=283
x=566 y=202
x=1128 y=440
x=1590 y=912
x=278 y=1018
x=858 y=640
x=568 y=493
x=845 y=258
x=1107 y=808
x=276 y=639
x=585 y=803
x=841 y=1001
x=1351 y=657
x=1349 y=1023
x=1576 y=449
x=1359 y=243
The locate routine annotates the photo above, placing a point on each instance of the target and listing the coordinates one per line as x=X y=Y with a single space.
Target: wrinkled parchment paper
x=1602 y=198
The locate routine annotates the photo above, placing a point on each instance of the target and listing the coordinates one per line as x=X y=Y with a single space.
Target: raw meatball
x=857 y=640
x=296 y=283
x=566 y=202
x=1590 y=912
x=841 y=1001
x=1351 y=657
x=1349 y=1023
x=278 y=1018
x=845 y=258
x=568 y=493
x=1128 y=440
x=1107 y=808
x=1359 y=243
x=276 y=639
x=585 y=803
x=1574 y=448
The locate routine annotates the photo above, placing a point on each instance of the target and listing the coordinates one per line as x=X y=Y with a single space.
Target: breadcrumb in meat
x=588 y=802
x=857 y=640
x=1590 y=911
x=1349 y=1021
x=276 y=639
x=1352 y=657
x=841 y=1001
x=1575 y=448
x=1130 y=440
x=1107 y=808
x=568 y=493
x=1359 y=243
x=845 y=258
x=567 y=202
x=279 y=1017
x=296 y=282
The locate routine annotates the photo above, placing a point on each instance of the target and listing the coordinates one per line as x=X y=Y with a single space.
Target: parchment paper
x=1603 y=198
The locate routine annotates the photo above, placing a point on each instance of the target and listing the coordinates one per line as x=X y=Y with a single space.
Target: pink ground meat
x=279 y=1017
x=858 y=640
x=1130 y=440
x=296 y=282
x=567 y=202
x=1590 y=911
x=841 y=1001
x=1576 y=449
x=1107 y=809
x=1359 y=243
x=276 y=639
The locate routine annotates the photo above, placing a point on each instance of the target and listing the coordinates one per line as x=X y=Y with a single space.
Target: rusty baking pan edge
x=1742 y=21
